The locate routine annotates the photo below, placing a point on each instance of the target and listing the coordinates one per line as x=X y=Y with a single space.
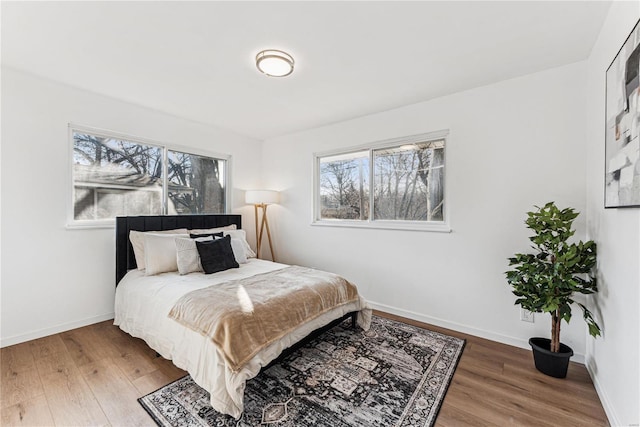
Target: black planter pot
x=548 y=362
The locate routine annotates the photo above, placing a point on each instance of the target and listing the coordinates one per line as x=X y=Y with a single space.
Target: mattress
x=142 y=305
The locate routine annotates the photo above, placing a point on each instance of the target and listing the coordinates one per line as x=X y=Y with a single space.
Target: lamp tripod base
x=264 y=225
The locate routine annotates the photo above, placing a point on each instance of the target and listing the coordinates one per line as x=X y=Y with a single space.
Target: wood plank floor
x=92 y=376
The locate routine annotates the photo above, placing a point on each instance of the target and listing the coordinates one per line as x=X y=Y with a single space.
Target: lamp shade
x=257 y=197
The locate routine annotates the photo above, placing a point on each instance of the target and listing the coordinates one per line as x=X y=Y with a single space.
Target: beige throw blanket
x=244 y=316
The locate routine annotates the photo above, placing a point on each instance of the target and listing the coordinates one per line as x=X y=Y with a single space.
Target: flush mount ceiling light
x=274 y=63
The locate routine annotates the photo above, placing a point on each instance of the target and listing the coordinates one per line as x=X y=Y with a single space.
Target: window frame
x=73 y=223
x=434 y=226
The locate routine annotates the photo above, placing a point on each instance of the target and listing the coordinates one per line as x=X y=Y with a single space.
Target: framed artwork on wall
x=622 y=134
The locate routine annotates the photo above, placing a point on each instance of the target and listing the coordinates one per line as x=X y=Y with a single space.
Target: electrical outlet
x=526 y=315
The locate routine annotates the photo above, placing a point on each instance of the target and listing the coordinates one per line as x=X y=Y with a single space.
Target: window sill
x=386 y=225
x=90 y=225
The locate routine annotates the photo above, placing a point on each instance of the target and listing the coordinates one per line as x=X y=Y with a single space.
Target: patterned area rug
x=392 y=375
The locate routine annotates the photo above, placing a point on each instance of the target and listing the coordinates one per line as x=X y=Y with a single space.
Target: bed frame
x=126 y=260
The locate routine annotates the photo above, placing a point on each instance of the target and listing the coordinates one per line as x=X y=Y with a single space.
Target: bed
x=143 y=304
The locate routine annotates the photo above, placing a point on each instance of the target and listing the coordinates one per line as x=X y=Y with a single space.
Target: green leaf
x=594 y=329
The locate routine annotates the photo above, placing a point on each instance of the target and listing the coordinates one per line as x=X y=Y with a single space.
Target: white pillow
x=160 y=254
x=137 y=241
x=238 y=251
x=242 y=236
x=188 y=258
x=212 y=230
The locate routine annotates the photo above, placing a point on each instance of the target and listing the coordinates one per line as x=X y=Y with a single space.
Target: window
x=390 y=184
x=118 y=175
x=344 y=186
x=196 y=184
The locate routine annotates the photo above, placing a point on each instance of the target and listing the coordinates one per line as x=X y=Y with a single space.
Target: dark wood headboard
x=125 y=258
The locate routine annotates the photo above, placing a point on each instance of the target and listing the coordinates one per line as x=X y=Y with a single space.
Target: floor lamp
x=260 y=199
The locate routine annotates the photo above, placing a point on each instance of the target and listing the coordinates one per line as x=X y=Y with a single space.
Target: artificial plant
x=546 y=280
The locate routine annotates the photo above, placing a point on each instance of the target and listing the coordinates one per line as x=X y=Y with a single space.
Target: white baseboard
x=504 y=339
x=17 y=339
x=604 y=398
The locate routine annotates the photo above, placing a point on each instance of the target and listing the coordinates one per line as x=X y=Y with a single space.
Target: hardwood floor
x=93 y=376
x=497 y=384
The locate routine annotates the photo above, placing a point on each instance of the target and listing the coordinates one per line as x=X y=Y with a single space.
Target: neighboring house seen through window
x=114 y=175
x=390 y=184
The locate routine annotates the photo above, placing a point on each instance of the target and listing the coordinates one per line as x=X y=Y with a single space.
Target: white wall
x=512 y=145
x=612 y=360
x=55 y=279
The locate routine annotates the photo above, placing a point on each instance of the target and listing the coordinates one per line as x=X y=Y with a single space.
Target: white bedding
x=141 y=307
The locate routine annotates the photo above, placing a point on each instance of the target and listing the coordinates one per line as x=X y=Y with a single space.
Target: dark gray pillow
x=214 y=235
x=216 y=255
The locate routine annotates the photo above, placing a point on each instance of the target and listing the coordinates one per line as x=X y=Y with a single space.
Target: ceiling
x=196 y=59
